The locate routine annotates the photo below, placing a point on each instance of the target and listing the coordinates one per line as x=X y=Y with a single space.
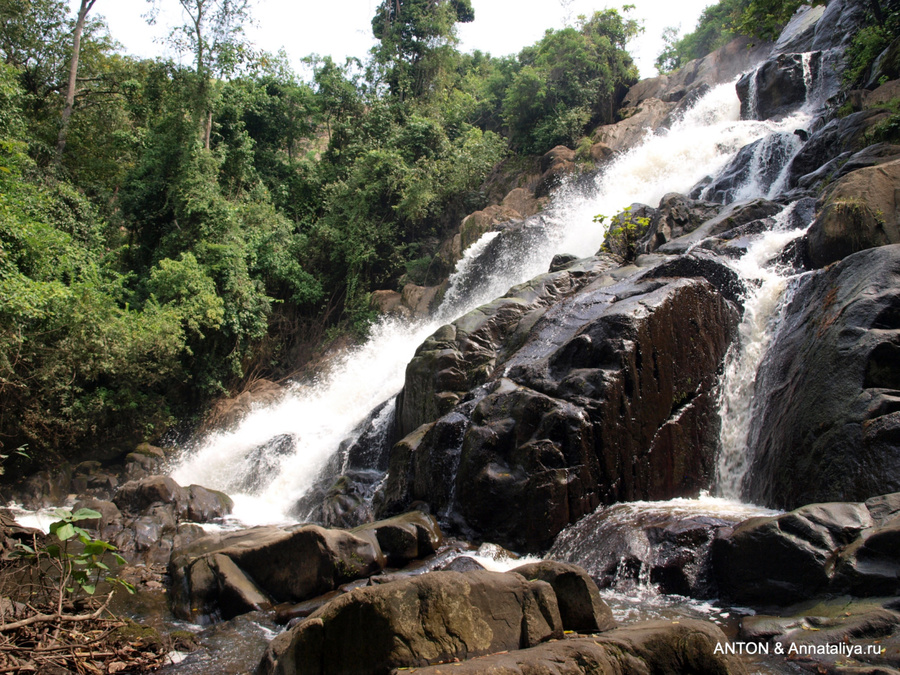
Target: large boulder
x=841 y=135
x=637 y=122
x=686 y=646
x=755 y=169
x=405 y=537
x=630 y=544
x=417 y=621
x=860 y=211
x=223 y=575
x=675 y=216
x=580 y=606
x=533 y=410
x=777 y=86
x=828 y=392
x=816 y=550
x=720 y=66
x=787 y=558
x=461 y=355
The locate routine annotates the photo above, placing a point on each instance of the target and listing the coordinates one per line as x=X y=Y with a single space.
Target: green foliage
x=765 y=18
x=74 y=562
x=870 y=41
x=715 y=28
x=571 y=79
x=416 y=38
x=206 y=219
x=625 y=230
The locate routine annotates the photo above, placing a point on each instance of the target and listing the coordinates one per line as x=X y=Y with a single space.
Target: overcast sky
x=341 y=28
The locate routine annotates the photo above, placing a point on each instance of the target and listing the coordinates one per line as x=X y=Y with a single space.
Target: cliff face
x=596 y=383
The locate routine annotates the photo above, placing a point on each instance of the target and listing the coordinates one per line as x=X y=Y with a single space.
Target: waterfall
x=766 y=282
x=288 y=444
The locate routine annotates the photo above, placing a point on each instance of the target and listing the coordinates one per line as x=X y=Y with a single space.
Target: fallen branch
x=57 y=616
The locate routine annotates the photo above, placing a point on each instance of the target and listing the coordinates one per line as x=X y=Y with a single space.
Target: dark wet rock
x=685 y=646
x=721 y=222
x=842 y=135
x=461 y=356
x=463 y=563
x=418 y=621
x=722 y=65
x=852 y=624
x=860 y=211
x=262 y=462
x=780 y=86
x=758 y=165
x=625 y=545
x=818 y=437
x=784 y=559
x=702 y=265
x=580 y=606
x=342 y=494
x=870 y=565
x=676 y=216
x=604 y=395
x=284 y=565
x=404 y=538
x=839 y=23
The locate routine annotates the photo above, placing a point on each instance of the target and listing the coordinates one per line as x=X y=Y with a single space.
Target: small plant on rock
x=624 y=232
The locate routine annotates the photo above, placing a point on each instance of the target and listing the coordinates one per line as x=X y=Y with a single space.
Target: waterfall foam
x=317 y=416
x=766 y=282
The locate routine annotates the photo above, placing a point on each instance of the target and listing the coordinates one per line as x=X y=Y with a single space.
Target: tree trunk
x=86 y=6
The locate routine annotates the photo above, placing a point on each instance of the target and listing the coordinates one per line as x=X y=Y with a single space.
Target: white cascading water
x=766 y=282
x=321 y=414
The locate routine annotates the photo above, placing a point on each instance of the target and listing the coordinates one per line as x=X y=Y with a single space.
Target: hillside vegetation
x=170 y=232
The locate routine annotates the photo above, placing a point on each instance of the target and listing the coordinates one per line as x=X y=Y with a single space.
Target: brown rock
x=862 y=210
x=521 y=201
x=685 y=646
x=418 y=621
x=580 y=606
x=290 y=564
x=420 y=300
x=631 y=131
x=386 y=302
x=226 y=413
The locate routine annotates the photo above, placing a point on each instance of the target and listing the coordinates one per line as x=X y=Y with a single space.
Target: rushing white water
x=317 y=416
x=766 y=282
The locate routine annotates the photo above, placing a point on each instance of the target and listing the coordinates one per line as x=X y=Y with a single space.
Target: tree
x=416 y=38
x=214 y=34
x=85 y=7
x=572 y=78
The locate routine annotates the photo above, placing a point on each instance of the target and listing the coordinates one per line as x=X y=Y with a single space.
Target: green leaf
x=85 y=514
x=89 y=588
x=65 y=532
